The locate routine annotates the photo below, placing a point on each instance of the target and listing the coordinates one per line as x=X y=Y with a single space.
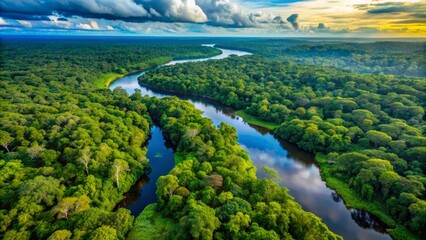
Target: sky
x=280 y=18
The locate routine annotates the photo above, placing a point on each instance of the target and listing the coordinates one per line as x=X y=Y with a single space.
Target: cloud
x=109 y=28
x=94 y=25
x=23 y=16
x=25 y=23
x=393 y=7
x=186 y=10
x=91 y=25
x=3 y=22
x=227 y=13
x=321 y=26
x=410 y=21
x=292 y=19
x=419 y=15
x=84 y=26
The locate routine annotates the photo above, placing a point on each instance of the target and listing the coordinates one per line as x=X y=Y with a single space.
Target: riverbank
x=352 y=200
x=108 y=78
x=255 y=121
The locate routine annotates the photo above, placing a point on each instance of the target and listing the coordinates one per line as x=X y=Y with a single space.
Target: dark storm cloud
x=108 y=9
x=226 y=13
x=24 y=16
x=292 y=19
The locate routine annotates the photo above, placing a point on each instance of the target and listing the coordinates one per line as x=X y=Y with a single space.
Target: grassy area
x=352 y=200
x=182 y=156
x=179 y=157
x=106 y=79
x=151 y=225
x=253 y=120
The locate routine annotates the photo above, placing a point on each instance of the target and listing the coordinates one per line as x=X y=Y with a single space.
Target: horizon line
x=200 y=36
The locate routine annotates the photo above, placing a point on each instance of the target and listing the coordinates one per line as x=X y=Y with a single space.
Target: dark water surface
x=297 y=167
x=161 y=160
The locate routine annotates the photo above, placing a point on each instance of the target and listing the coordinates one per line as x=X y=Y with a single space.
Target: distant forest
x=397 y=58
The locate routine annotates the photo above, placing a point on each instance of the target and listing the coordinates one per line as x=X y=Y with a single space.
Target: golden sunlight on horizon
x=391 y=18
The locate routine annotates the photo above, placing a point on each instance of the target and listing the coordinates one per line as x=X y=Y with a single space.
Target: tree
x=200 y=221
x=418 y=223
x=271 y=181
x=363 y=182
x=118 y=167
x=104 y=233
x=337 y=143
x=350 y=163
x=418 y=153
x=41 y=189
x=122 y=220
x=398 y=146
x=5 y=139
x=378 y=138
x=387 y=180
x=359 y=115
x=34 y=151
x=271 y=174
x=166 y=185
x=70 y=205
x=238 y=221
x=60 y=235
x=215 y=180
x=85 y=159
x=260 y=233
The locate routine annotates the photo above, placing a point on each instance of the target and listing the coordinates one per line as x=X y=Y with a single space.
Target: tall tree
x=118 y=167
x=5 y=139
x=166 y=185
x=34 y=151
x=378 y=138
x=85 y=159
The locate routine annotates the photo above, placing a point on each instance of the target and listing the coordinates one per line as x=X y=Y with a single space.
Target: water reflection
x=161 y=160
x=366 y=220
x=336 y=197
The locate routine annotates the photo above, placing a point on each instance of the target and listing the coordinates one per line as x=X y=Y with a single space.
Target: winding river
x=297 y=167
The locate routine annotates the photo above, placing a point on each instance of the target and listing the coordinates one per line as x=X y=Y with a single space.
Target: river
x=298 y=169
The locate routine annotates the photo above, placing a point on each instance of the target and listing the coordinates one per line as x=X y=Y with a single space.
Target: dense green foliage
x=70 y=151
x=90 y=60
x=372 y=125
x=152 y=225
x=399 y=58
x=214 y=191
